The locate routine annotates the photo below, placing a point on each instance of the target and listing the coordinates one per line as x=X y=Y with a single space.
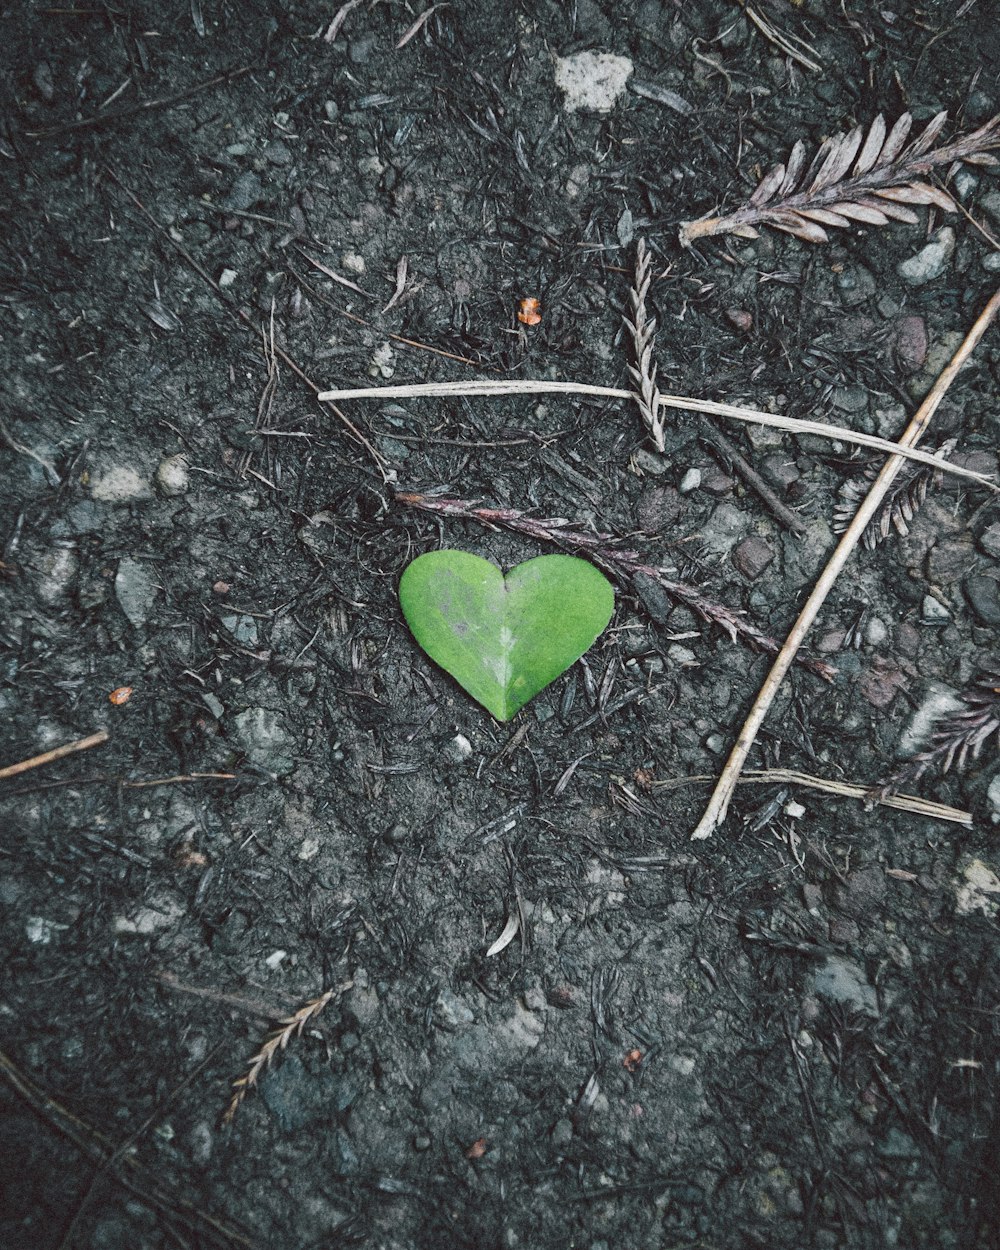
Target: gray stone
x=931 y=261
x=135 y=590
x=724 y=528
x=990 y=204
x=359 y=50
x=278 y=153
x=910 y=343
x=659 y=509
x=562 y=1133
x=850 y=398
x=840 y=980
x=890 y=421
x=214 y=704
x=949 y=561
x=267 y=743
x=244 y=193
x=452 y=1012
x=690 y=481
x=54 y=572
x=243 y=628
x=162 y=912
x=651 y=462
x=983 y=594
x=990 y=541
x=780 y=471
x=457 y=750
x=200 y=1140
x=993 y=797
x=933 y=611
x=856 y=284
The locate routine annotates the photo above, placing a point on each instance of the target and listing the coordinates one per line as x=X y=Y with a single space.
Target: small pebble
x=592 y=81
x=690 y=481
x=54 y=573
x=933 y=612
x=172 y=477
x=752 y=557
x=562 y=1133
x=278 y=153
x=119 y=484
x=983 y=595
x=458 y=749
x=931 y=261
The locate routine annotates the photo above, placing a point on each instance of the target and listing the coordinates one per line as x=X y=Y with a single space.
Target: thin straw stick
x=718 y=806
x=57 y=753
x=521 y=386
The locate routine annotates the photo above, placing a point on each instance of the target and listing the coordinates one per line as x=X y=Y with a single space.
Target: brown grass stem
x=718 y=805
x=522 y=386
x=57 y=753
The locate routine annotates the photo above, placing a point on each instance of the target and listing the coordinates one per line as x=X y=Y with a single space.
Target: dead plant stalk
x=718 y=806
x=523 y=386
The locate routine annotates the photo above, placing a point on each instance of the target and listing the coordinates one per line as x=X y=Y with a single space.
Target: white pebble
x=592 y=81
x=172 y=477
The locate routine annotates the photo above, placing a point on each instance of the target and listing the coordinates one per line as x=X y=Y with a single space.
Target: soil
x=784 y=1036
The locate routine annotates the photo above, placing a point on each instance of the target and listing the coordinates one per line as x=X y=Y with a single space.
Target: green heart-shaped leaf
x=504 y=638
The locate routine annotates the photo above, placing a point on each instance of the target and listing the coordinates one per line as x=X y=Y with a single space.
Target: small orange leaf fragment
x=632 y=1061
x=120 y=696
x=477 y=1149
x=530 y=311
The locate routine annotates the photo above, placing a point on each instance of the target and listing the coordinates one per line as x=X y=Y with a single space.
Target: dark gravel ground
x=785 y=1036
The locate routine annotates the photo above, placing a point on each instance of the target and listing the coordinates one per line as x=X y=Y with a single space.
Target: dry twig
x=291 y=1026
x=843 y=789
x=520 y=386
x=606 y=551
x=126 y=1167
x=145 y=106
x=867 y=177
x=715 y=813
x=57 y=753
x=642 y=328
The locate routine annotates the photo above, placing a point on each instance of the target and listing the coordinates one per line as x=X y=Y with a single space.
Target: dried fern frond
x=907 y=494
x=291 y=1026
x=870 y=177
x=958 y=736
x=642 y=328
